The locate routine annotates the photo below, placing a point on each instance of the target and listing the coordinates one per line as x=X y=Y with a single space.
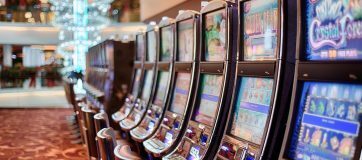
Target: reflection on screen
x=260 y=29
x=146 y=91
x=181 y=92
x=210 y=96
x=140 y=46
x=136 y=83
x=161 y=89
x=151 y=46
x=186 y=40
x=328 y=120
x=333 y=29
x=215 y=36
x=166 y=43
x=252 y=108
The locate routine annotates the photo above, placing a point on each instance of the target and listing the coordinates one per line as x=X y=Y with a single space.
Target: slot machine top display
x=140 y=46
x=326 y=110
x=184 y=69
x=152 y=43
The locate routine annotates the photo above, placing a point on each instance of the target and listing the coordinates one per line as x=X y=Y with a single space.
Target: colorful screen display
x=136 y=83
x=166 y=43
x=181 y=93
x=260 y=29
x=150 y=126
x=147 y=88
x=211 y=86
x=328 y=121
x=161 y=89
x=140 y=46
x=215 y=36
x=194 y=153
x=333 y=29
x=185 y=40
x=168 y=138
x=151 y=46
x=251 y=108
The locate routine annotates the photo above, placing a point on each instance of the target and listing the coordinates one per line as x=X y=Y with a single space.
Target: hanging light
x=84 y=18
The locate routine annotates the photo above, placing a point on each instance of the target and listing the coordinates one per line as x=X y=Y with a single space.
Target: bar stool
x=89 y=131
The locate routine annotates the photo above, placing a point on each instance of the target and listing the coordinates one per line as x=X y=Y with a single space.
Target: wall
x=150 y=8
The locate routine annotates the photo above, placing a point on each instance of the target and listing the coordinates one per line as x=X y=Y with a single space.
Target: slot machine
x=156 y=106
x=150 y=81
x=326 y=108
x=179 y=105
x=216 y=68
x=263 y=83
x=137 y=81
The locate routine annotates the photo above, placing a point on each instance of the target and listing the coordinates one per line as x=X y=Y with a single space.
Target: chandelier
x=80 y=22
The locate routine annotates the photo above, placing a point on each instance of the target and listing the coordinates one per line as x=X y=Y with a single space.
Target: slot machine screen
x=211 y=86
x=151 y=46
x=260 y=29
x=166 y=42
x=251 y=108
x=332 y=29
x=146 y=91
x=327 y=122
x=215 y=36
x=136 y=83
x=181 y=92
x=185 y=40
x=140 y=46
x=161 y=89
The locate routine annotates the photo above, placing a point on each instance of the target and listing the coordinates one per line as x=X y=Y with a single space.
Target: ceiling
x=44 y=34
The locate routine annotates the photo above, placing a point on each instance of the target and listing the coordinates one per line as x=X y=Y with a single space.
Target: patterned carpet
x=37 y=134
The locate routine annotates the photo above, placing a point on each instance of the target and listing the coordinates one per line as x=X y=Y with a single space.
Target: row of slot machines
x=257 y=79
x=106 y=63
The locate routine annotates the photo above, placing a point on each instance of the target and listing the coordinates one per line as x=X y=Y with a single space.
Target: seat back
x=89 y=131
x=106 y=143
x=101 y=121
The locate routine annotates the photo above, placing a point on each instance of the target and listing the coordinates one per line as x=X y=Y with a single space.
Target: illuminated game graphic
x=168 y=138
x=181 y=93
x=151 y=46
x=150 y=126
x=136 y=84
x=140 y=47
x=228 y=150
x=260 y=29
x=328 y=121
x=333 y=29
x=210 y=96
x=252 y=108
x=186 y=40
x=161 y=89
x=215 y=36
x=194 y=153
x=166 y=43
x=146 y=91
